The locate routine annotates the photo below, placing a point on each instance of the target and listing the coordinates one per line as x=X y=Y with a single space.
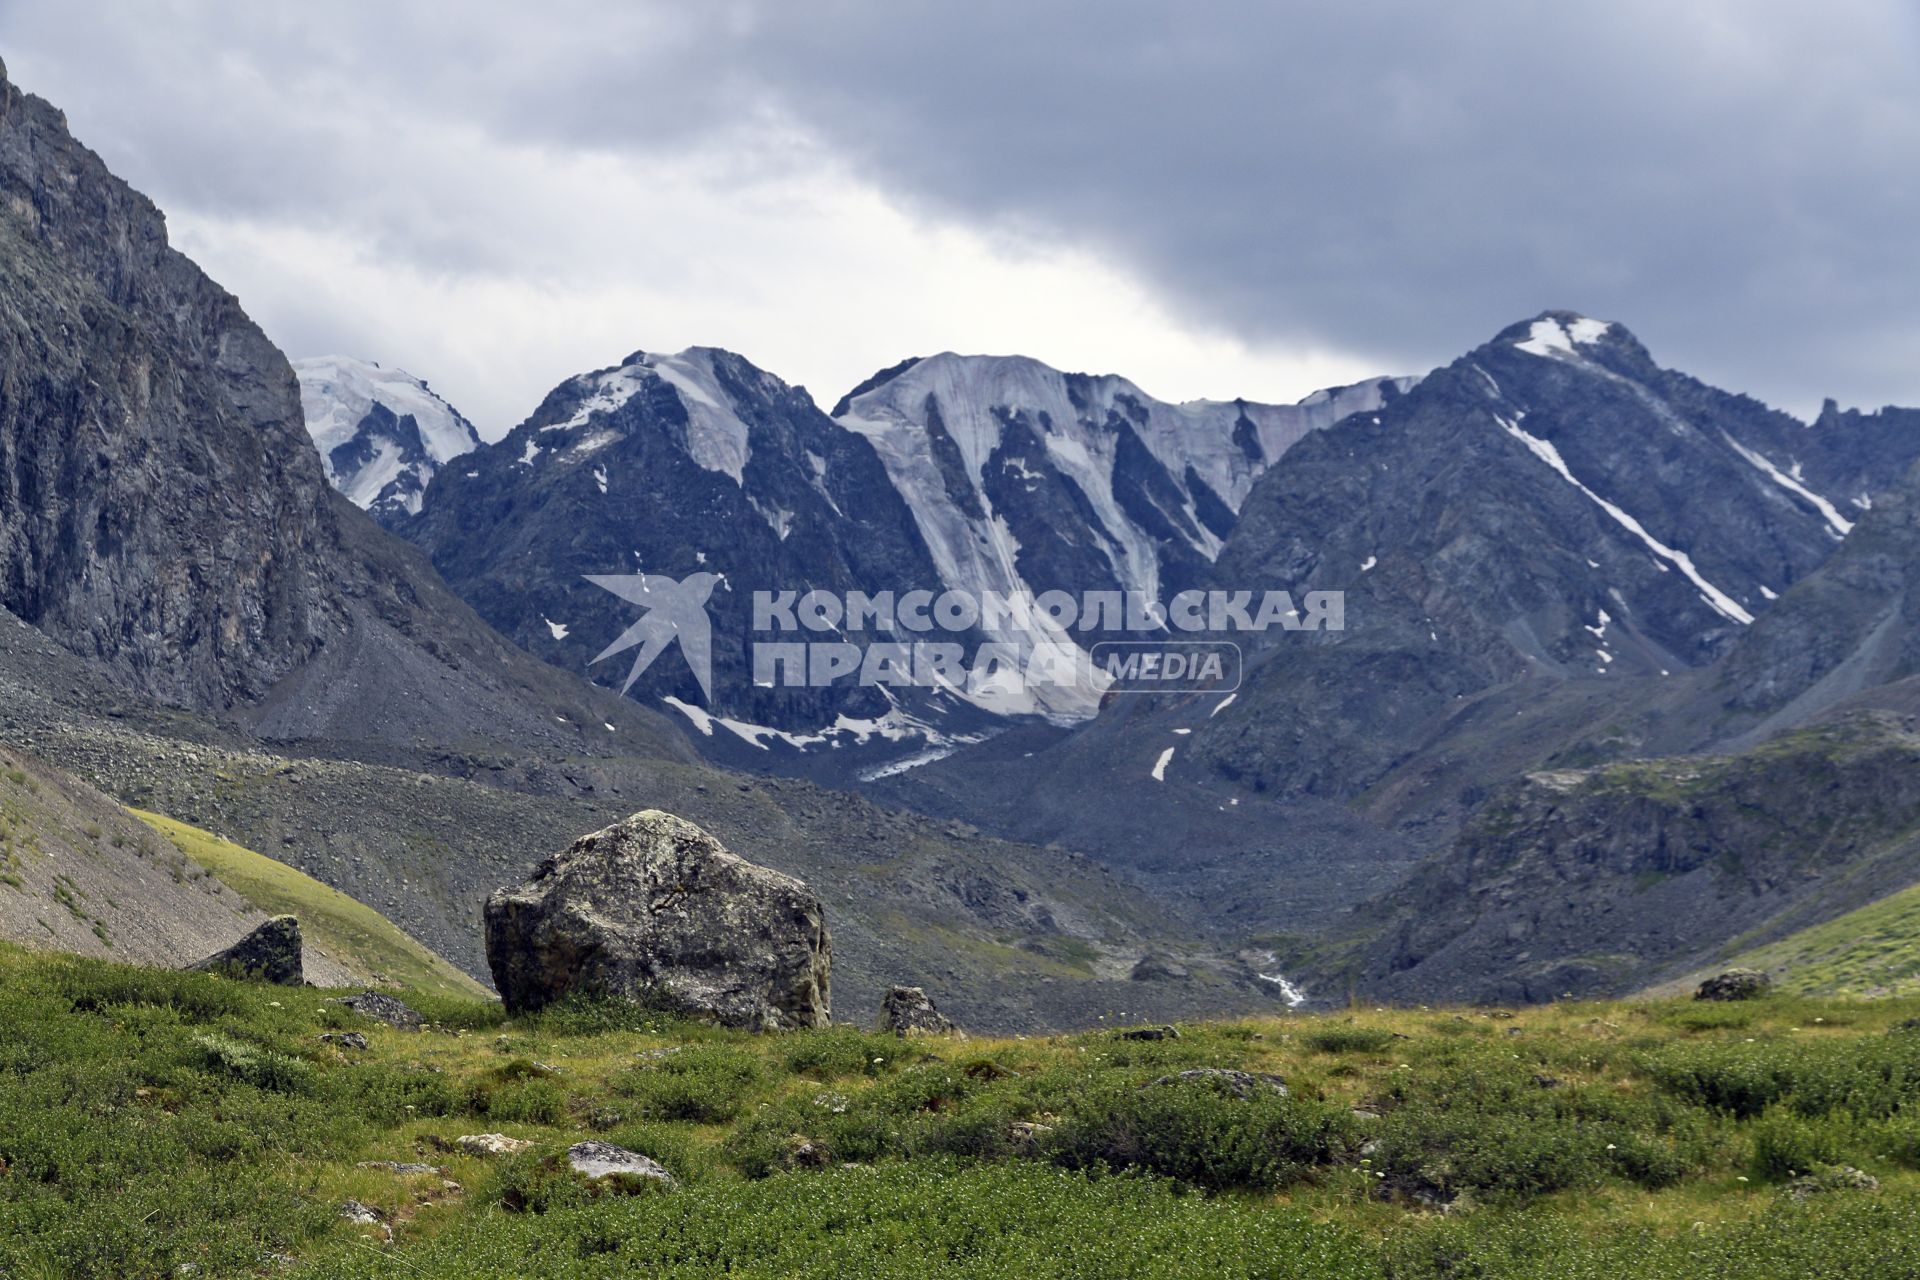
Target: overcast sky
x=1214 y=199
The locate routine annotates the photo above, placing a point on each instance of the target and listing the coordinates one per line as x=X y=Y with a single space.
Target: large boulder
x=270 y=953
x=908 y=1009
x=1734 y=984
x=656 y=910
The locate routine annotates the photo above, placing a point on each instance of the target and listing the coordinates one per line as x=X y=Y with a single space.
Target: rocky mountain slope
x=80 y=874
x=1025 y=480
x=346 y=934
x=675 y=466
x=1553 y=553
x=382 y=433
x=1553 y=505
x=1602 y=880
x=164 y=513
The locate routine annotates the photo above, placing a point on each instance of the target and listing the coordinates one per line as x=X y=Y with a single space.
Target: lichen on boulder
x=655 y=910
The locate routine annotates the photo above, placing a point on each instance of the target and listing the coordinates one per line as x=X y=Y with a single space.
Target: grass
x=350 y=931
x=1874 y=950
x=151 y=1119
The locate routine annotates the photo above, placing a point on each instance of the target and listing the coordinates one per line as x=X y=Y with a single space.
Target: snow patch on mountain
x=1550 y=337
x=716 y=435
x=1716 y=599
x=337 y=391
x=377 y=464
x=1840 y=525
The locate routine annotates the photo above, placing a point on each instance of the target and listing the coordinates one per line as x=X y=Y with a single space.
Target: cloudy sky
x=1215 y=199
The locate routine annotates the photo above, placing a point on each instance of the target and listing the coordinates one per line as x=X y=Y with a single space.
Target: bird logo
x=675 y=610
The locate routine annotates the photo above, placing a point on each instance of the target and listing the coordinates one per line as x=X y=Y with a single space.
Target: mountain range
x=1626 y=677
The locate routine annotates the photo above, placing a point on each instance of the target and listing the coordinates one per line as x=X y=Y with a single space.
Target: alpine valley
x=1626 y=686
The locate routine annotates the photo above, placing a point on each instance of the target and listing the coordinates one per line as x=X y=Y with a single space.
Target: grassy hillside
x=153 y=1119
x=343 y=928
x=79 y=874
x=1874 y=950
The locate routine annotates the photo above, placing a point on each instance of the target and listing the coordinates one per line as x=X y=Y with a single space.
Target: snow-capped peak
x=336 y=392
x=357 y=412
x=716 y=435
x=987 y=451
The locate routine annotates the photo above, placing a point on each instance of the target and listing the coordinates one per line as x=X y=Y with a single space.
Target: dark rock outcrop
x=1734 y=984
x=1150 y=1033
x=654 y=909
x=909 y=1009
x=1603 y=881
x=395 y=1013
x=1158 y=967
x=270 y=953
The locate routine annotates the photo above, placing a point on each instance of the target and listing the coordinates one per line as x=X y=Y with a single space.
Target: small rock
x=805 y=1153
x=1150 y=1033
x=1734 y=984
x=604 y=1160
x=1842 y=1177
x=404 y=1168
x=360 y=1215
x=1027 y=1133
x=1241 y=1084
x=909 y=1009
x=345 y=1039
x=986 y=1069
x=394 y=1013
x=270 y=953
x=491 y=1144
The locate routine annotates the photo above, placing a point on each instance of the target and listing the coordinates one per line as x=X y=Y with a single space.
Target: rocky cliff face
x=1856 y=622
x=164 y=514
x=160 y=508
x=1600 y=881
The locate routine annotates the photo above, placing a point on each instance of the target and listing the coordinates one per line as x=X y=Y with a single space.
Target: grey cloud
x=1732 y=180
